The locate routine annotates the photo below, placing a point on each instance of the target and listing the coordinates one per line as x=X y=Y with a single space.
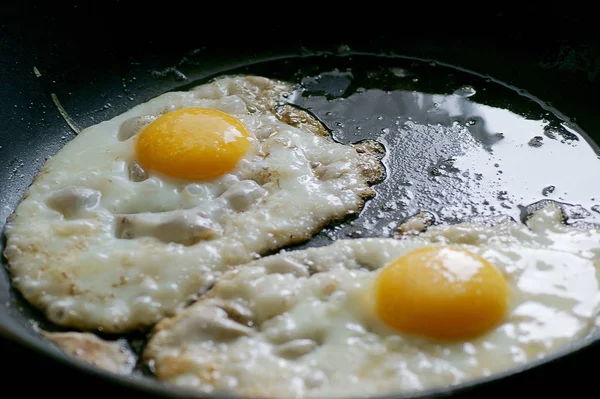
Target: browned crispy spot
x=370 y=154
x=108 y=355
x=259 y=93
x=415 y=225
x=300 y=119
x=43 y=172
x=174 y=366
x=265 y=176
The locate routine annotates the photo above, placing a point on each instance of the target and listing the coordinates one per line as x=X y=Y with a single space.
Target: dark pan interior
x=95 y=74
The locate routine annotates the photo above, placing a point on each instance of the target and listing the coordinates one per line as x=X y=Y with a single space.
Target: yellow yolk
x=192 y=144
x=442 y=293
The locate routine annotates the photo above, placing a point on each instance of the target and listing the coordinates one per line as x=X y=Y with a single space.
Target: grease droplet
x=548 y=190
x=536 y=142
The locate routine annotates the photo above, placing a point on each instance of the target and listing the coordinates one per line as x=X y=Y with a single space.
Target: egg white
x=99 y=243
x=303 y=323
x=114 y=356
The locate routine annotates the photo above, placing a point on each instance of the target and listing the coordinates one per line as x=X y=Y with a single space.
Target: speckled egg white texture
x=100 y=243
x=303 y=323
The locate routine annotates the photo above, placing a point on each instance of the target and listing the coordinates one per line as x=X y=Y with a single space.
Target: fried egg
x=113 y=356
x=387 y=316
x=137 y=214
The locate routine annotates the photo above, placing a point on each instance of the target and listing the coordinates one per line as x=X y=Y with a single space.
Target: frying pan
x=65 y=68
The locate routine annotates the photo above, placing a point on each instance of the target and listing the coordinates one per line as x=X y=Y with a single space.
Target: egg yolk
x=442 y=293
x=192 y=144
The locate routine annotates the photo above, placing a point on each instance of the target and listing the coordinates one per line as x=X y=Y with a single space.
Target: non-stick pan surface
x=61 y=73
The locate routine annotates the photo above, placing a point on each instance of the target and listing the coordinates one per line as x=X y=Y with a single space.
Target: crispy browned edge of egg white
x=113 y=356
x=370 y=152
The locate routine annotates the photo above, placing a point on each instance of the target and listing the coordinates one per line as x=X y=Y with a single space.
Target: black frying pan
x=96 y=62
